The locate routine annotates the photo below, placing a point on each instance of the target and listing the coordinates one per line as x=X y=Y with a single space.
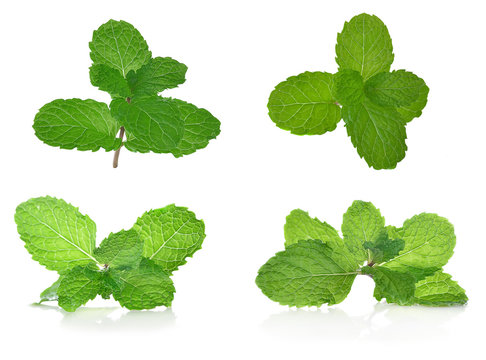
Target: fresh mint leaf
x=409 y=112
x=170 y=235
x=75 y=123
x=77 y=287
x=158 y=74
x=364 y=45
x=304 y=104
x=55 y=233
x=110 y=80
x=307 y=273
x=349 y=87
x=317 y=267
x=122 y=249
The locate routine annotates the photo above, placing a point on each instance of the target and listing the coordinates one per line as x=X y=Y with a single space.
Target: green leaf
x=77 y=287
x=304 y=104
x=152 y=123
x=55 y=233
x=108 y=284
x=396 y=88
x=199 y=128
x=429 y=243
x=145 y=287
x=120 y=46
x=384 y=248
x=348 y=87
x=377 y=132
x=395 y=287
x=409 y=112
x=439 y=290
x=364 y=45
x=157 y=75
x=109 y=80
x=361 y=223
x=50 y=294
x=123 y=249
x=170 y=235
x=308 y=273
x=76 y=123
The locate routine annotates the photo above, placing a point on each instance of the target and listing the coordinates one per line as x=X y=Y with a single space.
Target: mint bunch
x=376 y=104
x=123 y=66
x=319 y=267
x=132 y=265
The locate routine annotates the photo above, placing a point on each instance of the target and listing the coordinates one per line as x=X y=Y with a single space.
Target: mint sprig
x=376 y=104
x=318 y=266
x=134 y=265
x=123 y=66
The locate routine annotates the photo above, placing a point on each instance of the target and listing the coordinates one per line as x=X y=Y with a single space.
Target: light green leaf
x=50 y=294
x=395 y=287
x=348 y=87
x=396 y=88
x=157 y=75
x=108 y=79
x=152 y=123
x=304 y=104
x=123 y=249
x=364 y=45
x=55 y=233
x=144 y=287
x=409 y=112
x=119 y=45
x=170 y=235
x=77 y=287
x=439 y=290
x=308 y=273
x=361 y=223
x=76 y=123
x=199 y=128
x=377 y=133
x=429 y=243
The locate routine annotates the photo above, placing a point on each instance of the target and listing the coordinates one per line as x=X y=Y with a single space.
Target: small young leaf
x=308 y=273
x=50 y=294
x=123 y=249
x=348 y=87
x=170 y=235
x=76 y=123
x=158 y=74
x=384 y=248
x=119 y=45
x=364 y=45
x=78 y=286
x=409 y=112
x=145 y=287
x=439 y=290
x=304 y=104
x=110 y=80
x=55 y=233
x=377 y=132
x=395 y=287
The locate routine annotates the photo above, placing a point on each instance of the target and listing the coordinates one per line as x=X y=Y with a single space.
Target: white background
x=247 y=180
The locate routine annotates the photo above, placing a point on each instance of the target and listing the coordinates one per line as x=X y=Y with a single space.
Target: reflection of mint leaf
x=376 y=103
x=62 y=239
x=123 y=66
x=318 y=267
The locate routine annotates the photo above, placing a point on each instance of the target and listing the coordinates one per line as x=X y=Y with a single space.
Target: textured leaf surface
x=119 y=45
x=76 y=123
x=77 y=287
x=50 y=294
x=308 y=273
x=384 y=248
x=170 y=235
x=396 y=88
x=108 y=79
x=362 y=223
x=157 y=75
x=377 y=133
x=429 y=242
x=122 y=249
x=364 y=45
x=395 y=287
x=409 y=112
x=348 y=87
x=304 y=104
x=439 y=290
x=144 y=287
x=152 y=123
x=55 y=233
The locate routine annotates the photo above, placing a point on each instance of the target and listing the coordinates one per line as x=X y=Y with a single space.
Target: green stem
x=117 y=152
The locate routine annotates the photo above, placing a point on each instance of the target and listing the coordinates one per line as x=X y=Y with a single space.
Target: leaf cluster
x=134 y=266
x=123 y=66
x=318 y=266
x=376 y=104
